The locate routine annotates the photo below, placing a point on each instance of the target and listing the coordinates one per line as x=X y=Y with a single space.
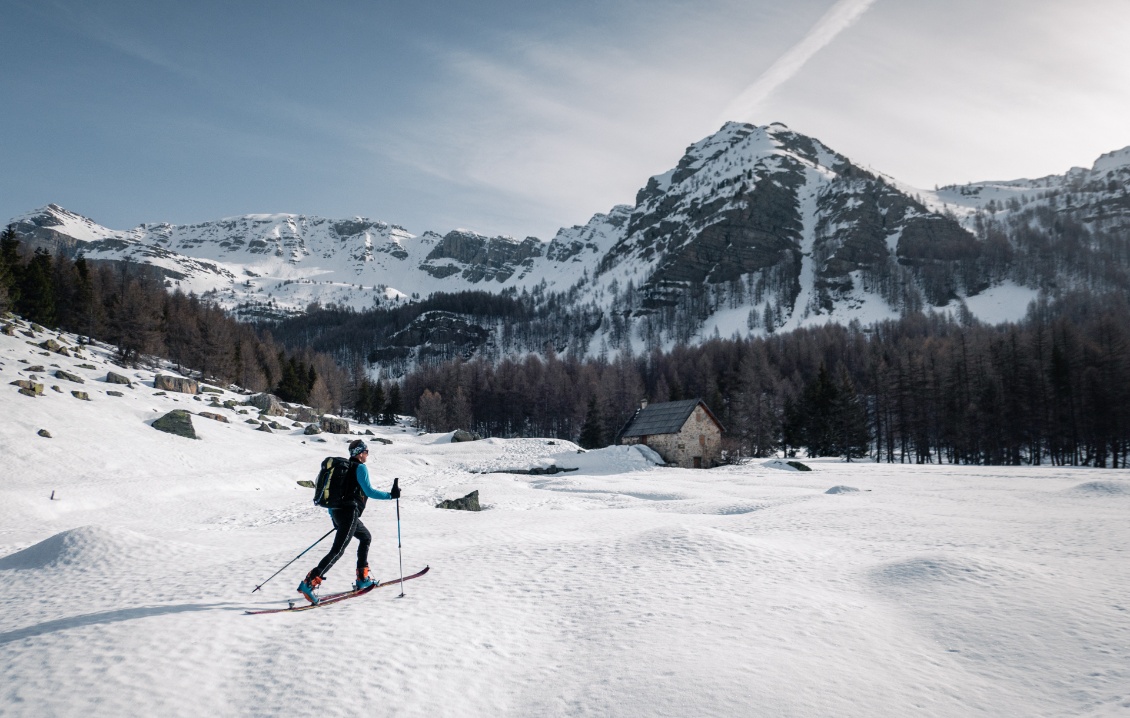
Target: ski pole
x=399 y=550
x=276 y=573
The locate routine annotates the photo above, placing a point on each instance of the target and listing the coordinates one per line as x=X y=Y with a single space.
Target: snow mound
x=842 y=490
x=609 y=460
x=935 y=571
x=736 y=509
x=1101 y=488
x=88 y=548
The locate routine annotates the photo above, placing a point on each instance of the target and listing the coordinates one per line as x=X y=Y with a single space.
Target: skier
x=347 y=521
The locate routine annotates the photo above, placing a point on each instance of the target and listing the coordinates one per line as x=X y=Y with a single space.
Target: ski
x=337 y=597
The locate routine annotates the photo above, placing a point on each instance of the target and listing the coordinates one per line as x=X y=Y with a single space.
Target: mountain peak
x=1112 y=161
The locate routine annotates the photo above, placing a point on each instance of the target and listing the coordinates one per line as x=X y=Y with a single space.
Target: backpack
x=335 y=483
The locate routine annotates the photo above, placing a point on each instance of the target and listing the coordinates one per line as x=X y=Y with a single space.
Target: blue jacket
x=367 y=487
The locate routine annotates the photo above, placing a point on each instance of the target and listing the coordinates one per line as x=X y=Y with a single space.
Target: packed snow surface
x=620 y=588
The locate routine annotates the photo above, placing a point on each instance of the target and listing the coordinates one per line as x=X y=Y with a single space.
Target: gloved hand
x=395 y=493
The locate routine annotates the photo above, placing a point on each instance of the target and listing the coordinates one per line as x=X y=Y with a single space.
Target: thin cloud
x=838 y=18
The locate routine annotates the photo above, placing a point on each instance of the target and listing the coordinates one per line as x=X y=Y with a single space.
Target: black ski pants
x=347 y=521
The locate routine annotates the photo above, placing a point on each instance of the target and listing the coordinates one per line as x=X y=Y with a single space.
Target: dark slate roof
x=664 y=418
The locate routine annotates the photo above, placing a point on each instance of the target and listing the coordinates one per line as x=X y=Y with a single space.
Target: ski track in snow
x=617 y=589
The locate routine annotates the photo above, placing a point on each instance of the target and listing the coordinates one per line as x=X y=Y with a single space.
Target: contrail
x=838 y=18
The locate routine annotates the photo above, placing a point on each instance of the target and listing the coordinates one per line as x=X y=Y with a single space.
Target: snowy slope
x=620 y=589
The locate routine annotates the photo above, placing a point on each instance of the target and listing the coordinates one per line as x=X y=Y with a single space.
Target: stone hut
x=684 y=433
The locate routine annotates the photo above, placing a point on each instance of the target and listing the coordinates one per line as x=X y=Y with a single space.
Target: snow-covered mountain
x=755 y=229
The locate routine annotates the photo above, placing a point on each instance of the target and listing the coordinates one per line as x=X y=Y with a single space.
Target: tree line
x=927 y=388
x=130 y=307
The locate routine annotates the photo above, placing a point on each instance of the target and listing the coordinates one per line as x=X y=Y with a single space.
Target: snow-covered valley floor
x=620 y=589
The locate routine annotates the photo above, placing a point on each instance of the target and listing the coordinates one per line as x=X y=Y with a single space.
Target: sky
x=518 y=118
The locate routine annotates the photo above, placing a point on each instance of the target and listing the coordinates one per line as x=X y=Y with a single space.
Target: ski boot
x=306 y=588
x=363 y=579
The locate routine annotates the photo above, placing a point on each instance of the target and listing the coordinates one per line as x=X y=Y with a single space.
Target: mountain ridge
x=755 y=229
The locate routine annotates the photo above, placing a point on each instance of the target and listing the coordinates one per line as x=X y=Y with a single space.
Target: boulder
x=799 y=466
x=87 y=366
x=312 y=429
x=177 y=421
x=28 y=386
x=44 y=433
x=334 y=425
x=213 y=417
x=9 y=329
x=60 y=374
x=211 y=390
x=56 y=388
x=81 y=395
x=470 y=502
x=111 y=392
x=461 y=435
x=112 y=378
x=305 y=483
x=37 y=367
x=264 y=427
x=268 y=404
x=276 y=426
x=303 y=413
x=176 y=383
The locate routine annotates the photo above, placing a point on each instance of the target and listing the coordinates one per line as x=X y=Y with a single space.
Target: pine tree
x=592 y=432
x=362 y=405
x=37 y=290
x=852 y=432
x=9 y=266
x=392 y=406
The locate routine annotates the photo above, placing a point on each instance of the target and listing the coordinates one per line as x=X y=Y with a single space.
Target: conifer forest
x=925 y=388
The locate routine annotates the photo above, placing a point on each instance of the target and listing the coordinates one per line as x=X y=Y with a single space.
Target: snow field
x=619 y=589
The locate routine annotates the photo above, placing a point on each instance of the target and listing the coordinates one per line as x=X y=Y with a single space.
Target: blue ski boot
x=306 y=588
x=363 y=579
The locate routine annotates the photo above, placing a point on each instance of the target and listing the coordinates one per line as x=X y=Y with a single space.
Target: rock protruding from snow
x=29 y=388
x=464 y=435
x=784 y=465
x=178 y=422
x=470 y=502
x=113 y=378
x=176 y=383
x=268 y=404
x=334 y=425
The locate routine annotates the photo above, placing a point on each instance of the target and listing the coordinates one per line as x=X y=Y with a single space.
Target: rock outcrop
x=334 y=425
x=268 y=404
x=176 y=383
x=178 y=422
x=470 y=502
